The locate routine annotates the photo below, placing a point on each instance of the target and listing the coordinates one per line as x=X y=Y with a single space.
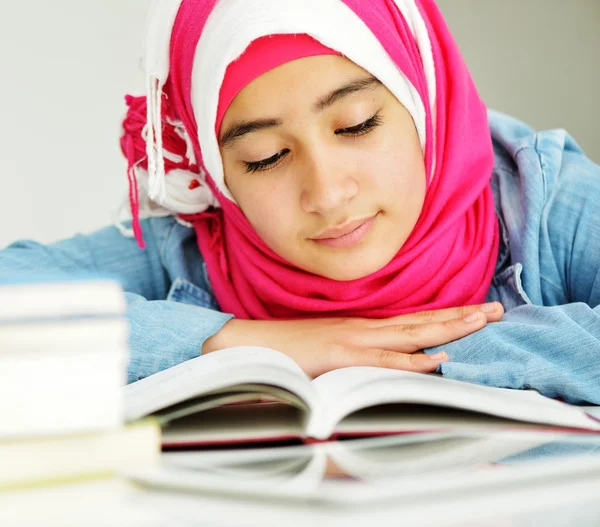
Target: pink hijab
x=450 y=257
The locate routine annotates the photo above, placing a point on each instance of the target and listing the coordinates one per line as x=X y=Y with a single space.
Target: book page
x=386 y=419
x=243 y=393
x=397 y=456
x=296 y=468
x=228 y=368
x=260 y=462
x=261 y=473
x=594 y=411
x=348 y=390
x=63 y=337
x=60 y=298
x=240 y=423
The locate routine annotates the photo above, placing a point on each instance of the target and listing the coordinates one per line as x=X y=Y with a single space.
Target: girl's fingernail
x=441 y=355
x=473 y=317
x=489 y=308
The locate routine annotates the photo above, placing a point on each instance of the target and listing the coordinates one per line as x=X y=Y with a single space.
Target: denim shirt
x=547 y=276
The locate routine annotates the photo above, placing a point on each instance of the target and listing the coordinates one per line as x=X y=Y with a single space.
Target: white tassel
x=154 y=147
x=159 y=27
x=148 y=209
x=189 y=146
x=175 y=158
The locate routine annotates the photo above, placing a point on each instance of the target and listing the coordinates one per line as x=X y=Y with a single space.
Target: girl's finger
x=493 y=311
x=408 y=338
x=417 y=362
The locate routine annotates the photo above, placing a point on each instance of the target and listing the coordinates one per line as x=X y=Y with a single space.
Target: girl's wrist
x=228 y=336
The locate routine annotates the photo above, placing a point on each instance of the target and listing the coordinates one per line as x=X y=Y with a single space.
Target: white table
x=551 y=492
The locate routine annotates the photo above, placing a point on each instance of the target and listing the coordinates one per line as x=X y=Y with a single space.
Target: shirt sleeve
x=104 y=252
x=163 y=333
x=166 y=333
x=554 y=350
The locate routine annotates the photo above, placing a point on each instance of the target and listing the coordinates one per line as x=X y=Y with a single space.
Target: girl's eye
x=353 y=131
x=266 y=164
x=362 y=128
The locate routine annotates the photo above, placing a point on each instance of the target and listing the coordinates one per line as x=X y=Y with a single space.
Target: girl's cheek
x=269 y=210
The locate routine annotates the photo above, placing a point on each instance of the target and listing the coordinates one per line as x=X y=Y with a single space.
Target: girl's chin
x=350 y=272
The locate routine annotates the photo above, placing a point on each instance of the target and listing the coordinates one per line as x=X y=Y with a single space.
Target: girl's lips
x=350 y=239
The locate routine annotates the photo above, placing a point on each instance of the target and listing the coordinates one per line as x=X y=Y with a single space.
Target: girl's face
x=326 y=165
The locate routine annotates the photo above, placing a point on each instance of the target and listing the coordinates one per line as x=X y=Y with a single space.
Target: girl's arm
x=163 y=333
x=554 y=350
x=105 y=252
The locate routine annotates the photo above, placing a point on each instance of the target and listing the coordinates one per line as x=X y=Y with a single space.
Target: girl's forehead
x=299 y=80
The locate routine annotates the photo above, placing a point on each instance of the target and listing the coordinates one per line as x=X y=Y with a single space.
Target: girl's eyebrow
x=361 y=85
x=239 y=129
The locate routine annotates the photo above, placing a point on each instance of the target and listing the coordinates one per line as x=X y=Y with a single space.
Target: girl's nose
x=327 y=187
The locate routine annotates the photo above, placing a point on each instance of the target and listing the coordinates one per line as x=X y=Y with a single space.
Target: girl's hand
x=319 y=345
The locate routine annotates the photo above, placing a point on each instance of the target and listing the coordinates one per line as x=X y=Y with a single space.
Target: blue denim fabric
x=547 y=276
x=571 y=447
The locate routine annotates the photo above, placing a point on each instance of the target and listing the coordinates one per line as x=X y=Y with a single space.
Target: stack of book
x=63 y=363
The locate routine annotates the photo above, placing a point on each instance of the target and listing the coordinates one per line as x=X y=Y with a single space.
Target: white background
x=65 y=66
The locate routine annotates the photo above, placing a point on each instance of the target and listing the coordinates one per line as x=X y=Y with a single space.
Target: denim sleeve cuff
x=164 y=334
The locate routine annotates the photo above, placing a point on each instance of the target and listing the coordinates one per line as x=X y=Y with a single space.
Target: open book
x=212 y=400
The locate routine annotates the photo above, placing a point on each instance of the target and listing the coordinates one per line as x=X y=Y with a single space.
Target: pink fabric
x=133 y=147
x=450 y=257
x=262 y=55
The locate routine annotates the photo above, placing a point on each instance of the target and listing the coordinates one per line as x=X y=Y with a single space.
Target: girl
x=321 y=177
